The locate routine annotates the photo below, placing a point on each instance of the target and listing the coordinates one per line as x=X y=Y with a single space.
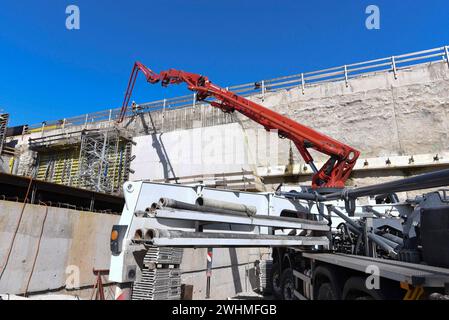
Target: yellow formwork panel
x=58 y=166
x=62 y=166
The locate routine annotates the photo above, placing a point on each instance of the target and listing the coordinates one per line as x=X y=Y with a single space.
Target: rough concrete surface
x=71 y=239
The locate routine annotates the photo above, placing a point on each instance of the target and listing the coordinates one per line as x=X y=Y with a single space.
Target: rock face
x=377 y=114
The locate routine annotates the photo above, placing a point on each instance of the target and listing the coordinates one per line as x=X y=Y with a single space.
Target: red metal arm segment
x=149 y=75
x=332 y=174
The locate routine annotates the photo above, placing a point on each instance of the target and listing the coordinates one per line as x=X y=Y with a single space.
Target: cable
x=17 y=228
x=38 y=248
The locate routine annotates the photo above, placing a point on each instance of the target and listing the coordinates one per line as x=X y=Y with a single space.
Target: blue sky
x=49 y=72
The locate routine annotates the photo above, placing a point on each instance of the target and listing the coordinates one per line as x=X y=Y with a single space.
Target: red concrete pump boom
x=332 y=174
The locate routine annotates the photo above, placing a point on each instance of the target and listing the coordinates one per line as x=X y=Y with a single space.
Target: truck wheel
x=276 y=281
x=325 y=292
x=355 y=289
x=327 y=284
x=288 y=285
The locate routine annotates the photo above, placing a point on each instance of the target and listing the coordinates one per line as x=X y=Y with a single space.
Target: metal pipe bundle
x=174 y=238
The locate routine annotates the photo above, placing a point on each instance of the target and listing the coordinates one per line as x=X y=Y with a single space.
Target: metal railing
x=391 y=64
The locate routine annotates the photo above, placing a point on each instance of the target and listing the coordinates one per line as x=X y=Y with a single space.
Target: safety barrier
x=391 y=64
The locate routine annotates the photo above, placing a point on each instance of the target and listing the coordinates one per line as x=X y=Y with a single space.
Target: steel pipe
x=212 y=203
x=175 y=238
x=392 y=237
x=348 y=220
x=258 y=220
x=424 y=181
x=171 y=203
x=381 y=243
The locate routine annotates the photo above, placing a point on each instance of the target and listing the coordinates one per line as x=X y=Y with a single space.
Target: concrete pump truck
x=324 y=243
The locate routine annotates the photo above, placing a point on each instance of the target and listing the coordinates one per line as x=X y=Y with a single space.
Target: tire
x=275 y=279
x=355 y=289
x=288 y=285
x=327 y=284
x=326 y=292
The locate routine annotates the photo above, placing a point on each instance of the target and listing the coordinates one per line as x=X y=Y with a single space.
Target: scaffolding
x=96 y=160
x=103 y=161
x=3 y=125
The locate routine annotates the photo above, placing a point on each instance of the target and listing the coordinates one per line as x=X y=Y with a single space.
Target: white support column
x=393 y=66
x=302 y=83
x=446 y=51
x=163 y=114
x=346 y=76
x=263 y=89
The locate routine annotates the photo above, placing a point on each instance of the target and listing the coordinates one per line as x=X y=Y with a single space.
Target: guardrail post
x=446 y=51
x=194 y=100
x=85 y=122
x=393 y=65
x=163 y=114
x=110 y=114
x=346 y=76
x=302 y=83
x=63 y=123
x=263 y=89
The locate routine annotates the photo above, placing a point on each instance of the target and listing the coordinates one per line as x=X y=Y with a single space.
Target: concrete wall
x=70 y=238
x=76 y=239
x=232 y=271
x=209 y=150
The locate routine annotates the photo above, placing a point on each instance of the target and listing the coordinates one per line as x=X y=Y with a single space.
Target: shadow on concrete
x=158 y=145
x=235 y=270
x=253 y=279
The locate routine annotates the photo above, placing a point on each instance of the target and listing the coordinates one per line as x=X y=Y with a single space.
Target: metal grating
x=165 y=255
x=161 y=276
x=265 y=267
